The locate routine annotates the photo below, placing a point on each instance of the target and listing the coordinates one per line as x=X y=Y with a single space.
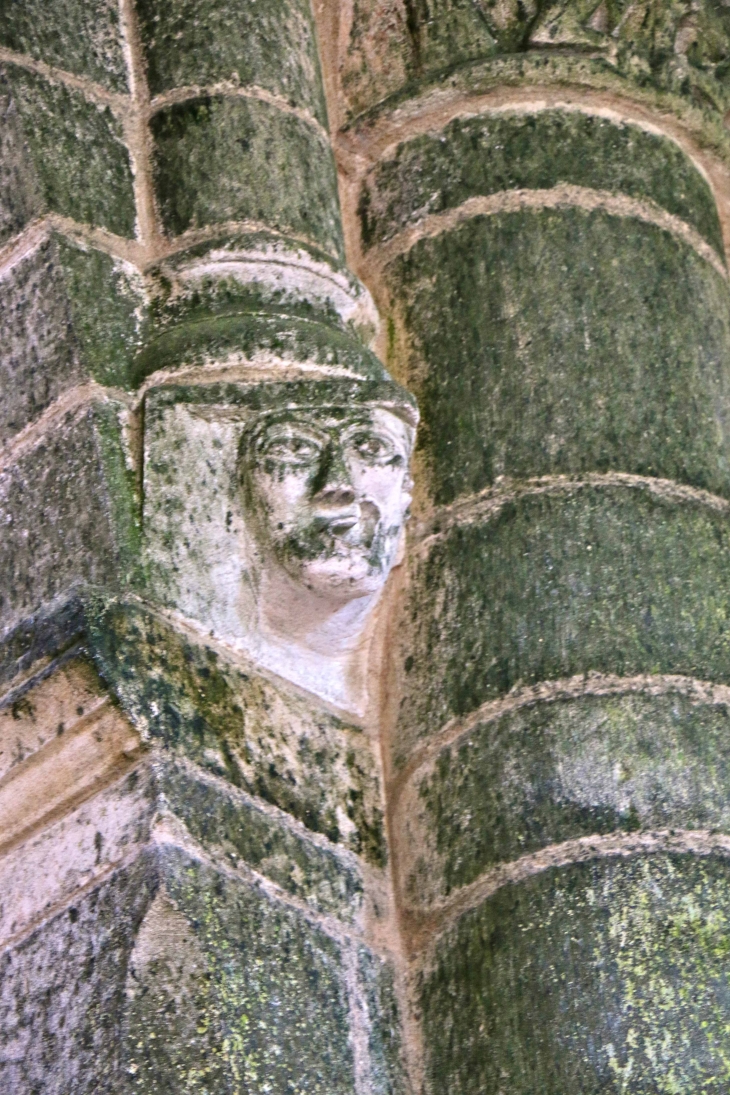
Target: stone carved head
x=326 y=492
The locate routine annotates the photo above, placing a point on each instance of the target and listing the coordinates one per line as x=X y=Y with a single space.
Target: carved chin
x=343 y=574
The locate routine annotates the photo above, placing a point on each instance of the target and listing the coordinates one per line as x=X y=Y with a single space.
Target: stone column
x=541 y=207
x=193 y=864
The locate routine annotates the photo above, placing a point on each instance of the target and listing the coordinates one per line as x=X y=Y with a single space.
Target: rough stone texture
x=509 y=385
x=556 y=771
x=243 y=831
x=67 y=315
x=605 y=977
x=188 y=42
x=80 y=36
x=268 y=995
x=60 y=502
x=673 y=55
x=62 y=991
x=285 y=180
x=385 y=1039
x=609 y=579
x=81 y=162
x=481 y=156
x=234 y=952
x=20 y=199
x=257 y=734
x=40 y=354
x=47 y=871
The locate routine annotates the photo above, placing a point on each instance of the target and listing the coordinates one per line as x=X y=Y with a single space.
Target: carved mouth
x=342 y=525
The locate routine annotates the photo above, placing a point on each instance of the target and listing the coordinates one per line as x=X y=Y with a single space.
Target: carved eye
x=375 y=449
x=294 y=450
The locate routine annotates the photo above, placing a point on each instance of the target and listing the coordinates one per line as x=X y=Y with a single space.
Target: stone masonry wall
x=507 y=874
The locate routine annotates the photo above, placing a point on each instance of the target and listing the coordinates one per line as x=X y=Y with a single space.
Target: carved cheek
x=384 y=485
x=283 y=495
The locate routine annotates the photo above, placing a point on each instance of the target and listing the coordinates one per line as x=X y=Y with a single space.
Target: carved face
x=327 y=492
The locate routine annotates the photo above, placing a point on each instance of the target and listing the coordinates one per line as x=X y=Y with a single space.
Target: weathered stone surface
x=80 y=36
x=40 y=354
x=555 y=771
x=189 y=42
x=605 y=977
x=80 y=159
x=242 y=727
x=62 y=991
x=609 y=579
x=49 y=870
x=230 y=823
x=247 y=327
x=528 y=362
x=387 y=1065
x=66 y=509
x=40 y=637
x=67 y=315
x=109 y=312
x=284 y=180
x=486 y=155
x=257 y=990
x=20 y=199
x=266 y=273
x=675 y=58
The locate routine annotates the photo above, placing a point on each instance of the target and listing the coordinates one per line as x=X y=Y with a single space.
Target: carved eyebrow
x=282 y=430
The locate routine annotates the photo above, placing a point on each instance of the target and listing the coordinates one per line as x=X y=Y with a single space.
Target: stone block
x=62 y=991
x=51 y=869
x=241 y=830
x=228 y=988
x=676 y=58
x=562 y=341
x=20 y=197
x=234 y=159
x=550 y=772
x=81 y=36
x=51 y=631
x=605 y=579
x=485 y=155
x=272 y=46
x=385 y=1036
x=602 y=977
x=68 y=315
x=255 y=733
x=78 y=152
x=40 y=355
x=68 y=513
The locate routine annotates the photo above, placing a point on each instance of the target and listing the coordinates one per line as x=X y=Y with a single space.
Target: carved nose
x=336 y=496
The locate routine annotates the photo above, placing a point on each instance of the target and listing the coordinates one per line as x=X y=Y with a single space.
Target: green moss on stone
x=241 y=727
x=78 y=152
x=275 y=995
x=608 y=977
x=609 y=579
x=556 y=771
x=671 y=56
x=231 y=823
x=234 y=159
x=271 y=45
x=212 y=338
x=63 y=991
x=40 y=357
x=119 y=479
x=107 y=307
x=481 y=156
x=80 y=36
x=387 y=1068
x=20 y=198
x=57 y=521
x=558 y=342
